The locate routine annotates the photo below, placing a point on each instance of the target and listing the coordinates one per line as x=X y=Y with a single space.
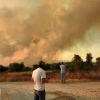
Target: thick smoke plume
x=45 y=28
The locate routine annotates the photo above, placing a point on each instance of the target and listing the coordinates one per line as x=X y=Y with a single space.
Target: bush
x=3 y=69
x=55 y=66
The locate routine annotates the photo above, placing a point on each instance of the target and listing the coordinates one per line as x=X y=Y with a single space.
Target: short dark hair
x=41 y=63
x=62 y=63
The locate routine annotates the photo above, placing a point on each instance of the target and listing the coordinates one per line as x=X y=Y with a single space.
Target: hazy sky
x=51 y=30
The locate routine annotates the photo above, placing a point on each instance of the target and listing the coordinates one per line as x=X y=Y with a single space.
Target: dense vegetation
x=77 y=69
x=77 y=64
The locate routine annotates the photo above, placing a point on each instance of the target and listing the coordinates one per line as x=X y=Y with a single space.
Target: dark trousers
x=39 y=95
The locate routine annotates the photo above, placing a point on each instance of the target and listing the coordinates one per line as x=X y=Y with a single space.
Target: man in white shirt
x=39 y=78
x=63 y=72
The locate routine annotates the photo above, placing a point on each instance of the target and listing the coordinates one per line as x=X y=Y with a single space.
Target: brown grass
x=90 y=76
x=15 y=76
x=53 y=77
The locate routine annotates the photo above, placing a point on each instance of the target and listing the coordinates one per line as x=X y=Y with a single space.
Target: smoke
x=44 y=28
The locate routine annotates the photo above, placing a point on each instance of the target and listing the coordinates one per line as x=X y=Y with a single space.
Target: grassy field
x=52 y=76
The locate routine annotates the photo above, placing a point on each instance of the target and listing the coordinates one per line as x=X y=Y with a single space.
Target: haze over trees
x=77 y=64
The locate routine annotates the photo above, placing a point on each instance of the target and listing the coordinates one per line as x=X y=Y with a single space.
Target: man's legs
x=39 y=95
x=36 y=96
x=63 y=77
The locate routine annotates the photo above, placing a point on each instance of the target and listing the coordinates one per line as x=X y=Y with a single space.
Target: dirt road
x=55 y=91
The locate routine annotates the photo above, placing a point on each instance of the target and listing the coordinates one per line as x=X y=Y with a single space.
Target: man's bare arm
x=44 y=80
x=32 y=79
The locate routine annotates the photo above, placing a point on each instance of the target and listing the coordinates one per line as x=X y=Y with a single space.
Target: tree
x=98 y=62
x=55 y=66
x=21 y=66
x=3 y=68
x=70 y=66
x=35 y=66
x=89 y=64
x=47 y=66
x=77 y=61
x=16 y=67
x=27 y=68
x=11 y=67
x=89 y=58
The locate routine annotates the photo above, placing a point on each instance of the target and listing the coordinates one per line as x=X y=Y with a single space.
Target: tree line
x=77 y=64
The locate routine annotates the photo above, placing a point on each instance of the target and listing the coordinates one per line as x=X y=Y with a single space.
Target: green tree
x=55 y=66
x=35 y=66
x=21 y=66
x=3 y=68
x=16 y=67
x=98 y=62
x=47 y=66
x=89 y=63
x=77 y=62
x=11 y=67
x=27 y=68
x=70 y=66
x=89 y=58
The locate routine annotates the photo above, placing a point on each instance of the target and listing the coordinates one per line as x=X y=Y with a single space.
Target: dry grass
x=90 y=76
x=15 y=76
x=53 y=77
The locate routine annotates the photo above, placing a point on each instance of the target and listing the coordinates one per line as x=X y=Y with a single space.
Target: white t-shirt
x=37 y=75
x=63 y=68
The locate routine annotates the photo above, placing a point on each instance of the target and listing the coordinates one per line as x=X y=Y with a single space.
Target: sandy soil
x=55 y=91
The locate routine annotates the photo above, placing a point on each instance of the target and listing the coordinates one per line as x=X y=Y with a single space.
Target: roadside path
x=55 y=91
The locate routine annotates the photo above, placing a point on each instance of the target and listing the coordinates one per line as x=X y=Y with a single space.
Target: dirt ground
x=54 y=91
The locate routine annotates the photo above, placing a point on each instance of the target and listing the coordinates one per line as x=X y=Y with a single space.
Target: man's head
x=41 y=64
x=62 y=63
